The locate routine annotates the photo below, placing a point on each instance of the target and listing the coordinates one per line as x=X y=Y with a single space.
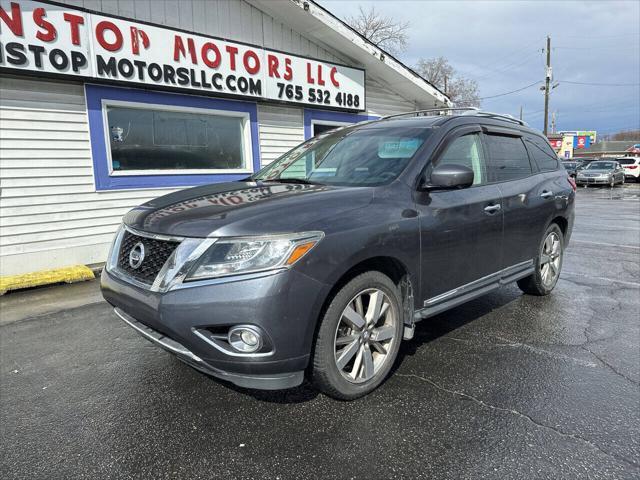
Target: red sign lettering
x=74 y=24
x=100 y=29
x=14 y=22
x=49 y=34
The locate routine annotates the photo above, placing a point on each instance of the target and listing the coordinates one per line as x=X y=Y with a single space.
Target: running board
x=475 y=289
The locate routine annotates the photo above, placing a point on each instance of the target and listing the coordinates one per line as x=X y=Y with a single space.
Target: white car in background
x=631 y=167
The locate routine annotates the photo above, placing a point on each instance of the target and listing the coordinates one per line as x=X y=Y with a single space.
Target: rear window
x=508 y=158
x=543 y=154
x=626 y=161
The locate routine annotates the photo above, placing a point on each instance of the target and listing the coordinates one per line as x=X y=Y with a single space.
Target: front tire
x=359 y=337
x=548 y=264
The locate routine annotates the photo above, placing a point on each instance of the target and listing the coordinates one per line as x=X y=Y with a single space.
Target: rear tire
x=359 y=337
x=548 y=264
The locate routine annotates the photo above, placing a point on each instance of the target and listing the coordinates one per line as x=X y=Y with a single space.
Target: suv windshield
x=600 y=166
x=361 y=157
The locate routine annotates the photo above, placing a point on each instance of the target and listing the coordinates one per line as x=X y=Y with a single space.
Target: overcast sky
x=500 y=43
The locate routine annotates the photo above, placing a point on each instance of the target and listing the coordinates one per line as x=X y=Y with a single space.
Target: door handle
x=546 y=194
x=491 y=209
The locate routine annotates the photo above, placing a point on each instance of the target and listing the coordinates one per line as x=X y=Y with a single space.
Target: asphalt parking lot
x=506 y=386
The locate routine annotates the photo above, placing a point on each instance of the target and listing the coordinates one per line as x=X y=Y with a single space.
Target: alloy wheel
x=550 y=259
x=365 y=335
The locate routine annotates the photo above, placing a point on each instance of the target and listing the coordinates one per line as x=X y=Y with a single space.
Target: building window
x=143 y=139
x=155 y=139
x=321 y=121
x=322 y=126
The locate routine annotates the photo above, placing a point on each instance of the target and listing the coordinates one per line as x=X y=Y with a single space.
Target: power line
x=513 y=91
x=504 y=59
x=602 y=84
x=510 y=66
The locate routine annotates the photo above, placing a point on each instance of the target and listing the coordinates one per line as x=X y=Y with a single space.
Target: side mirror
x=446 y=177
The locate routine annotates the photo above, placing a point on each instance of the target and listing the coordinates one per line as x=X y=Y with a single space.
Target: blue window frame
x=106 y=178
x=312 y=116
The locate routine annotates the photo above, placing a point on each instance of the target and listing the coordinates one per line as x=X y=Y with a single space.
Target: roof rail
x=502 y=116
x=419 y=113
x=464 y=111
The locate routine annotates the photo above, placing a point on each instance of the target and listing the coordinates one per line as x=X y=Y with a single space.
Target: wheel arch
x=390 y=266
x=562 y=222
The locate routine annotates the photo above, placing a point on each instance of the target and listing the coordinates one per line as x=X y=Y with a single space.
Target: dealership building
x=107 y=104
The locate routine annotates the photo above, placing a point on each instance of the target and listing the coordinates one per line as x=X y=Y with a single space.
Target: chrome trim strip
x=505 y=272
x=155 y=236
x=230 y=352
x=156 y=337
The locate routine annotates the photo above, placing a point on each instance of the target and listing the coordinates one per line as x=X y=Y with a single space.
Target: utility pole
x=445 y=85
x=547 y=87
x=553 y=122
x=520 y=112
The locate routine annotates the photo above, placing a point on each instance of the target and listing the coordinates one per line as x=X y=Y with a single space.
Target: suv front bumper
x=264 y=382
x=283 y=305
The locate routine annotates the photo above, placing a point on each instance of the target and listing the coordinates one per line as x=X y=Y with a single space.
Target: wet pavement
x=507 y=386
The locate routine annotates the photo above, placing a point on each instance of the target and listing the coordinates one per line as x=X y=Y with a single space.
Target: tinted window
x=542 y=154
x=467 y=151
x=626 y=161
x=508 y=158
x=154 y=139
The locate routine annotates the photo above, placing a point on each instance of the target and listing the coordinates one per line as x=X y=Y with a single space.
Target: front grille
x=156 y=253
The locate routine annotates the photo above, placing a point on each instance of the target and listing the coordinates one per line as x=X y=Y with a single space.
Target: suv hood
x=245 y=208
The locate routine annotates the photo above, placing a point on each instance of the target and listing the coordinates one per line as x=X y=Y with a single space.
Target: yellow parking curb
x=72 y=274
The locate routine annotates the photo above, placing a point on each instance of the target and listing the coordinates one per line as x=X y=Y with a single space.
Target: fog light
x=245 y=339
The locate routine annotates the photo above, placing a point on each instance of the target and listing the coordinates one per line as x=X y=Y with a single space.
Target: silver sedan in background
x=601 y=172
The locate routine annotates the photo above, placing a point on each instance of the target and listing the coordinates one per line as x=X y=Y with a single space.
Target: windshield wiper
x=302 y=181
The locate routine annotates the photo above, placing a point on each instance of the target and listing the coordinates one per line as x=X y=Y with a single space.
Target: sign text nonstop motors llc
x=50 y=39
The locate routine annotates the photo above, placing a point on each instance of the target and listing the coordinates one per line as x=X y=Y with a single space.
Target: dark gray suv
x=320 y=264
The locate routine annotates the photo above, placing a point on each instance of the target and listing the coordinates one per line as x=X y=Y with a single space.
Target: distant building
x=566 y=144
x=613 y=148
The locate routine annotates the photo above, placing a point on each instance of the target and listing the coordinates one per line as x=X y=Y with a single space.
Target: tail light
x=572 y=182
x=631 y=167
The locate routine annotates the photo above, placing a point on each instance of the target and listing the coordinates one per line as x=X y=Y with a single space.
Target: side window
x=542 y=154
x=508 y=158
x=467 y=151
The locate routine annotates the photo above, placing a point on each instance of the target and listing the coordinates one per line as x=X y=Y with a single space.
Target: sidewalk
x=18 y=305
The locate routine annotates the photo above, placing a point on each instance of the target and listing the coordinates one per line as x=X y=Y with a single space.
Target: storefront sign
x=52 y=39
x=581 y=141
x=556 y=144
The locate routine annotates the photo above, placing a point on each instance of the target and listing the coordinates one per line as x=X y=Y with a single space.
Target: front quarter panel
x=388 y=227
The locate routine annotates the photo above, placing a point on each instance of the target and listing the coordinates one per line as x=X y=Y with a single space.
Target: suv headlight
x=253 y=254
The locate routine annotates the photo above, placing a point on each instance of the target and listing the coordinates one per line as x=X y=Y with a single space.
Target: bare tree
x=383 y=31
x=626 y=135
x=462 y=91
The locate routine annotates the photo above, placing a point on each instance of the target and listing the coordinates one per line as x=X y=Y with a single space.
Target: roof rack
x=464 y=111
